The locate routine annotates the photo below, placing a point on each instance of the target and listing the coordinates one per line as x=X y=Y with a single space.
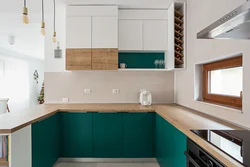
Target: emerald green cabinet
x=76 y=135
x=107 y=135
x=170 y=144
x=45 y=142
x=138 y=135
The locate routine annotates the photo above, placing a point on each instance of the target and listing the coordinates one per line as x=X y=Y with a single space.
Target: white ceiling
x=28 y=40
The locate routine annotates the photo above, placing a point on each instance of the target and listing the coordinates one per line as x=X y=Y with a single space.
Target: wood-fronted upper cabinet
x=90 y=28
x=78 y=32
x=78 y=59
x=155 y=35
x=130 y=35
x=104 y=32
x=104 y=59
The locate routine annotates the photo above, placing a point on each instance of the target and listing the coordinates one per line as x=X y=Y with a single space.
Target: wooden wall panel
x=104 y=59
x=78 y=59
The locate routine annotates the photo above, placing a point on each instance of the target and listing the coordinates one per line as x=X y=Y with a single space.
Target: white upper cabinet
x=104 y=32
x=92 y=27
x=130 y=35
x=155 y=35
x=141 y=30
x=78 y=36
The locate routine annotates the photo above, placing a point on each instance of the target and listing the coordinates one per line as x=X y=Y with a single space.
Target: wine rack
x=179 y=35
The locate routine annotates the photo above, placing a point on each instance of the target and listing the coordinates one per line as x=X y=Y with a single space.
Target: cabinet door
x=78 y=32
x=104 y=59
x=104 y=32
x=155 y=35
x=45 y=142
x=107 y=135
x=138 y=135
x=170 y=144
x=78 y=59
x=76 y=135
x=130 y=35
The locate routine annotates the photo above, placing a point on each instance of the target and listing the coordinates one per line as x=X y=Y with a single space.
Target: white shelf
x=137 y=69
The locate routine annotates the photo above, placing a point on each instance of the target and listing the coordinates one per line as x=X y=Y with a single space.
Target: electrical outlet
x=116 y=91
x=88 y=91
x=65 y=100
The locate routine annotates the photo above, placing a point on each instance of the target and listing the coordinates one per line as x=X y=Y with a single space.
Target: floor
x=70 y=164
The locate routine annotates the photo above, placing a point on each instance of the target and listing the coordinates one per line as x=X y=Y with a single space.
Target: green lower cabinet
x=76 y=135
x=170 y=144
x=138 y=135
x=107 y=135
x=45 y=142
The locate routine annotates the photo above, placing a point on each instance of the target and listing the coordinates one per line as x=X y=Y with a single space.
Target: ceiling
x=28 y=40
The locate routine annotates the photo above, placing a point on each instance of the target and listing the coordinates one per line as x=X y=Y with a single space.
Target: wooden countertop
x=182 y=118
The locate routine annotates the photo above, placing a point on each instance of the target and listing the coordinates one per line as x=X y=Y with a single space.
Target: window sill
x=220 y=106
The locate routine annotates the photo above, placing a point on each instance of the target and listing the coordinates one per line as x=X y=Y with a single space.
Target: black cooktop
x=235 y=143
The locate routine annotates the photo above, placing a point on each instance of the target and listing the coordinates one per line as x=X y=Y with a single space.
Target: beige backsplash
x=71 y=85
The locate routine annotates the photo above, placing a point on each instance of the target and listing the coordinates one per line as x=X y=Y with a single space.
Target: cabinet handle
x=191 y=159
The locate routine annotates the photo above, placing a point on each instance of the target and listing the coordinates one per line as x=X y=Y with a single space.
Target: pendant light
x=54 y=34
x=43 y=32
x=25 y=13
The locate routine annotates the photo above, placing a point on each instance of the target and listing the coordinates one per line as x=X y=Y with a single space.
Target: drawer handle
x=191 y=159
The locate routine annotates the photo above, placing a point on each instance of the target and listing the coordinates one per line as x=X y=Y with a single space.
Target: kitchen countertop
x=182 y=118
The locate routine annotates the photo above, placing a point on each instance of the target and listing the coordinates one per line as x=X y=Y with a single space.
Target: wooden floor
x=70 y=164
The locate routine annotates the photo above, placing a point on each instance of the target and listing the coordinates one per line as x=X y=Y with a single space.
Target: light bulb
x=43 y=32
x=54 y=37
x=25 y=15
x=25 y=19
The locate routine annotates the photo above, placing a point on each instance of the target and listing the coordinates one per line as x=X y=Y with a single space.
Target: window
x=222 y=82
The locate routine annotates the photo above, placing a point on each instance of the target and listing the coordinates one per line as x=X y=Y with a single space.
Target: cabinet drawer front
x=78 y=59
x=105 y=59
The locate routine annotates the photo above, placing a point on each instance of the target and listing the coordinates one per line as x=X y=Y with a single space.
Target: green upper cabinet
x=138 y=135
x=107 y=135
x=76 y=135
x=170 y=144
x=45 y=142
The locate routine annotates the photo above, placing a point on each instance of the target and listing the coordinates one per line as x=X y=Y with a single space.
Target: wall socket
x=65 y=100
x=116 y=91
x=87 y=91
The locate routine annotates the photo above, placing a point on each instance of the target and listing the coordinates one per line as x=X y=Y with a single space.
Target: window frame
x=224 y=100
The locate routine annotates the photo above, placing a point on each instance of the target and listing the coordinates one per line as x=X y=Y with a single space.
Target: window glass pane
x=226 y=81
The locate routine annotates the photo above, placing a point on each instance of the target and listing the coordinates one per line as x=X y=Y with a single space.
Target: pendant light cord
x=43 y=10
x=54 y=15
x=24 y=3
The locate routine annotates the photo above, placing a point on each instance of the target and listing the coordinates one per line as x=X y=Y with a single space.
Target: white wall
x=32 y=65
x=200 y=14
